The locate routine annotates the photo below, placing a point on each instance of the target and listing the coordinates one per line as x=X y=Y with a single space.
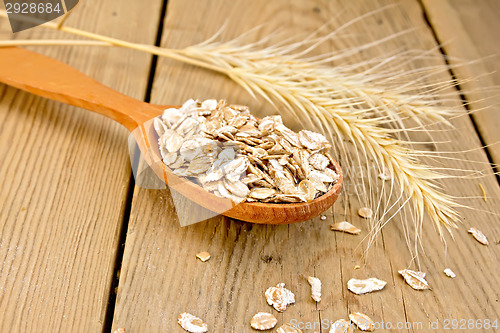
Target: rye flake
x=415 y=279
x=360 y=287
x=191 y=323
x=449 y=273
x=279 y=297
x=362 y=321
x=315 y=288
x=345 y=227
x=263 y=321
x=479 y=236
x=230 y=153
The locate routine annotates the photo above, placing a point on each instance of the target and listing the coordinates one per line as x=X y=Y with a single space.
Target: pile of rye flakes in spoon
x=232 y=154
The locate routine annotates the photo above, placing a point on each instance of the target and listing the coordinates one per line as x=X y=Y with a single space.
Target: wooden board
x=161 y=277
x=469 y=32
x=64 y=181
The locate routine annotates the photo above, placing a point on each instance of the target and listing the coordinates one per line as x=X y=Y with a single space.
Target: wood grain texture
x=64 y=181
x=161 y=276
x=47 y=77
x=469 y=32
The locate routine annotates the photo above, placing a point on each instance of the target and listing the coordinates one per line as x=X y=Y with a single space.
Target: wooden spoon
x=47 y=77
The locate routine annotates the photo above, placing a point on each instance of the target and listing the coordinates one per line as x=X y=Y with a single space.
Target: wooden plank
x=469 y=31
x=160 y=275
x=65 y=175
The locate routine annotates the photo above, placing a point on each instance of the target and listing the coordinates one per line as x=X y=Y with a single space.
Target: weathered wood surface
x=469 y=33
x=64 y=181
x=161 y=277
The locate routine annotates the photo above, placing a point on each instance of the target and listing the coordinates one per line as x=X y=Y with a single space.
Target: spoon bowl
x=47 y=77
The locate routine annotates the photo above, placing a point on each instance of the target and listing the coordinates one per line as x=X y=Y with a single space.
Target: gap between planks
x=460 y=91
x=110 y=310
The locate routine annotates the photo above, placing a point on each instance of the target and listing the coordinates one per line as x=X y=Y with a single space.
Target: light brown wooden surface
x=64 y=182
x=161 y=277
x=470 y=37
x=58 y=254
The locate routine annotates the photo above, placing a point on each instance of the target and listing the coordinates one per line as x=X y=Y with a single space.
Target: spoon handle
x=47 y=77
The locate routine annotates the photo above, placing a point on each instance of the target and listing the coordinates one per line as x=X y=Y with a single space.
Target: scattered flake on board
x=230 y=153
x=479 y=236
x=365 y=213
x=357 y=267
x=345 y=227
x=203 y=256
x=119 y=330
x=415 y=279
x=191 y=323
x=362 y=321
x=322 y=217
x=342 y=326
x=288 y=328
x=263 y=321
x=279 y=297
x=360 y=287
x=315 y=288
x=449 y=273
